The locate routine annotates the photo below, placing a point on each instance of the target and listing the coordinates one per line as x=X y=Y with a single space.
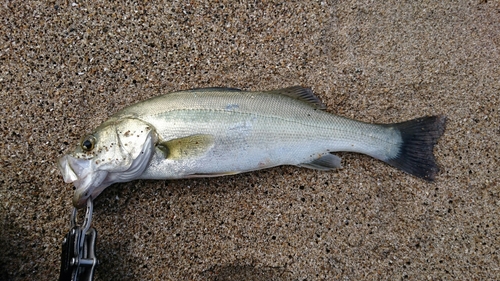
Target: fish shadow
x=18 y=250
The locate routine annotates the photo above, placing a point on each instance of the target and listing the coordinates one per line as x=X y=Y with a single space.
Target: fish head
x=119 y=150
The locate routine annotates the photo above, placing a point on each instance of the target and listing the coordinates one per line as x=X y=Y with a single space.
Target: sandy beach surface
x=66 y=66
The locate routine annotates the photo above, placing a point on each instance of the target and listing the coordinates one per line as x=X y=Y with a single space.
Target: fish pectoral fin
x=186 y=147
x=302 y=94
x=324 y=163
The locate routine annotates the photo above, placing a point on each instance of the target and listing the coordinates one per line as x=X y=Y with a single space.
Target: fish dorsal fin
x=302 y=94
x=216 y=89
x=186 y=147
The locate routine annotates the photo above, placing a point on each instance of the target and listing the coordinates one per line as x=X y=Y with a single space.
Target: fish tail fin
x=416 y=155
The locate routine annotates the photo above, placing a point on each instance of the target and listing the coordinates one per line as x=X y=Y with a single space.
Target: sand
x=66 y=66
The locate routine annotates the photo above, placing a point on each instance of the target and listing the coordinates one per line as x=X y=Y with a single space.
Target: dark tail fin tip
x=416 y=155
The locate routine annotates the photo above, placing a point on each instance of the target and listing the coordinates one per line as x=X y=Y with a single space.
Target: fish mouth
x=87 y=180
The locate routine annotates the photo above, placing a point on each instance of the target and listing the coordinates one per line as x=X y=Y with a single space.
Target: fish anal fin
x=186 y=147
x=324 y=163
x=302 y=94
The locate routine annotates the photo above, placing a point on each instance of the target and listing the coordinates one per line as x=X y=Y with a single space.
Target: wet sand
x=65 y=67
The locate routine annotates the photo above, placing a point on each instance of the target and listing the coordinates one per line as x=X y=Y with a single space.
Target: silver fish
x=219 y=131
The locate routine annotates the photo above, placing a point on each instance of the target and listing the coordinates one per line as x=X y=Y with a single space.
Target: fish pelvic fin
x=419 y=136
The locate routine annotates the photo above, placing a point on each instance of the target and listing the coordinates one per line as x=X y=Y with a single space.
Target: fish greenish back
x=218 y=131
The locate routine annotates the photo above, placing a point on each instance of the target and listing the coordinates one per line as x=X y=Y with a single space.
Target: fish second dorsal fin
x=302 y=94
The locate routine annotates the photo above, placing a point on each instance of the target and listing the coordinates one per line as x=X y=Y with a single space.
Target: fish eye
x=88 y=143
